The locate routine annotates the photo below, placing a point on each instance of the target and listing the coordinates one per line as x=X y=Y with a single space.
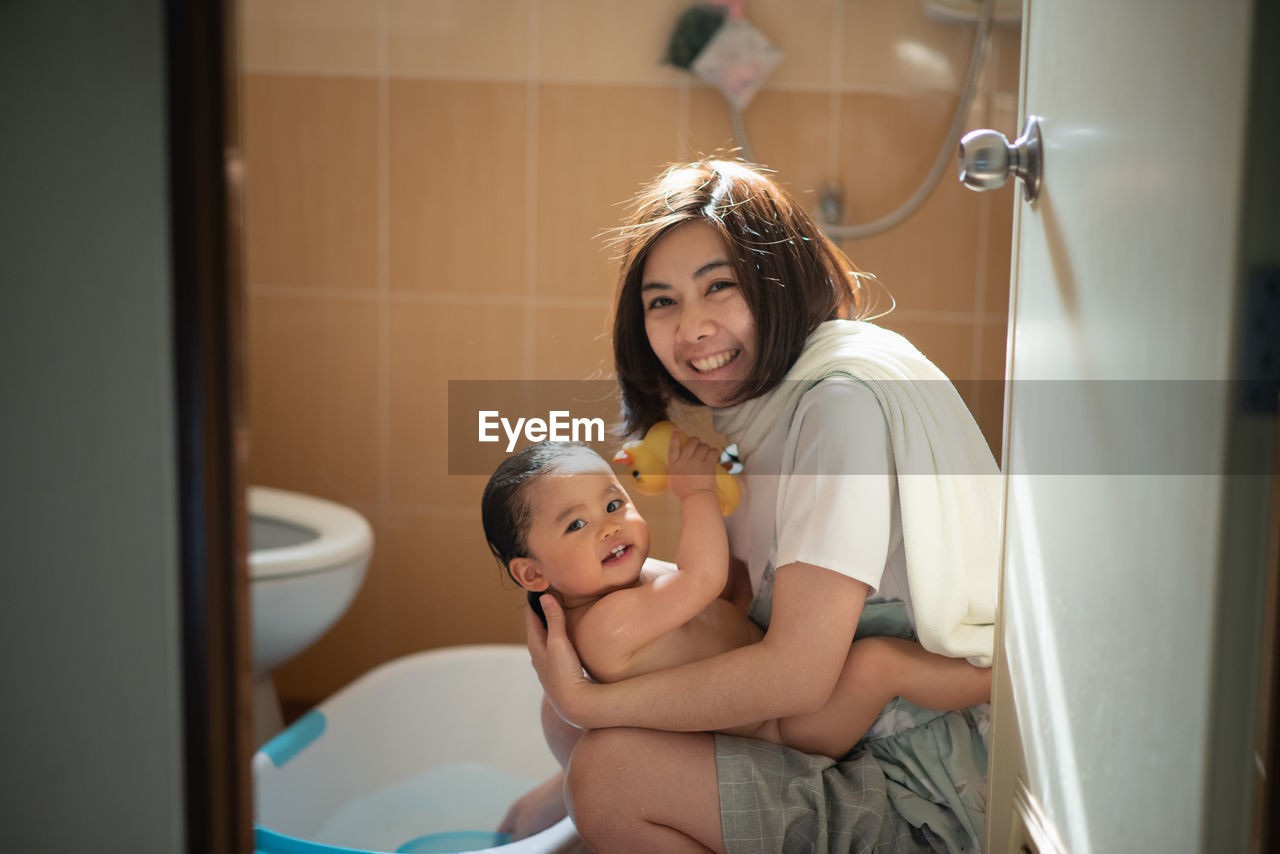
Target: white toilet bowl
x=307 y=559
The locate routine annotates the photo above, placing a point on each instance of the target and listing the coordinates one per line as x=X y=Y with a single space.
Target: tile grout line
x=835 y=137
x=422 y=297
x=552 y=301
x=531 y=125
x=839 y=87
x=384 y=263
x=984 y=244
x=980 y=294
x=983 y=260
x=979 y=113
x=384 y=633
x=445 y=511
x=684 y=150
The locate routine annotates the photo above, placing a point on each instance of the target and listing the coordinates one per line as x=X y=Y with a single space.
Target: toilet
x=307 y=560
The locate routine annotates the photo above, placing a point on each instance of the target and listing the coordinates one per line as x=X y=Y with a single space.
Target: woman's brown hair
x=791 y=275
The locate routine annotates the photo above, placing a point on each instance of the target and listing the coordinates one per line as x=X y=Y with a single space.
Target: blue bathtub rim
x=444 y=835
x=266 y=841
x=296 y=738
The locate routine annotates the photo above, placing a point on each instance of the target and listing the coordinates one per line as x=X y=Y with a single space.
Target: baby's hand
x=691 y=466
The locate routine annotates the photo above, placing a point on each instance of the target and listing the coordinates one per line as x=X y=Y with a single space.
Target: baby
x=560 y=522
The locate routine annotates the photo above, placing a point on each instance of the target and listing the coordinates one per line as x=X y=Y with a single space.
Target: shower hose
x=952 y=140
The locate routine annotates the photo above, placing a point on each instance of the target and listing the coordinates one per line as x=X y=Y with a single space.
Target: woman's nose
x=695 y=324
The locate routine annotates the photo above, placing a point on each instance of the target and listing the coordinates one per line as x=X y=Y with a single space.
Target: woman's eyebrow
x=698 y=274
x=708 y=267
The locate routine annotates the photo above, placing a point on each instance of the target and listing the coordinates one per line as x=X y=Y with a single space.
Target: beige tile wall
x=426 y=183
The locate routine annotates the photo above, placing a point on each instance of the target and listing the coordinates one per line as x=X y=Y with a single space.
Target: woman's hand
x=559 y=670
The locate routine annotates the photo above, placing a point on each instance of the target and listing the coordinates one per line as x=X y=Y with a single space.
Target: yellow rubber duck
x=646 y=460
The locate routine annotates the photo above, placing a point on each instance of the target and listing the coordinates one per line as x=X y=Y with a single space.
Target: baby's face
x=585 y=533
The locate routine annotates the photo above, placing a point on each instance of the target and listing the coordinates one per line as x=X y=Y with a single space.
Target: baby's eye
x=614 y=505
x=576 y=525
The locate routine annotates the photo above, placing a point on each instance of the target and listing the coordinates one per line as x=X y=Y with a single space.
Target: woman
x=871 y=506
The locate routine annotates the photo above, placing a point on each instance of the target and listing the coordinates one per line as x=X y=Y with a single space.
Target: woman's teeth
x=710 y=363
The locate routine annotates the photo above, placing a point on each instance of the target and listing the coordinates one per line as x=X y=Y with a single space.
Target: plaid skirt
x=916 y=782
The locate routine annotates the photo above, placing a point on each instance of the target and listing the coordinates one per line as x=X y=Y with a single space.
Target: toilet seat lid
x=342 y=534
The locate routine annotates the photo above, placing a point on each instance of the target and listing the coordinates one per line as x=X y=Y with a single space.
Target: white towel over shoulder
x=948 y=482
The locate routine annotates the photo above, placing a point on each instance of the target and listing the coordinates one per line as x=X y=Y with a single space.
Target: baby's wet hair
x=506 y=508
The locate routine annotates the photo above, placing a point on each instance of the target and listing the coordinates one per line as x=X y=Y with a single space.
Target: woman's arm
x=793 y=670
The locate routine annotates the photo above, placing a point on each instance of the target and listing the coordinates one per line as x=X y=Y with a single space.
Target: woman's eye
x=576 y=525
x=720 y=285
x=614 y=505
x=660 y=302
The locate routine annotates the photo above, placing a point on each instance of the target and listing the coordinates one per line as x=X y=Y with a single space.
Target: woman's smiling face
x=695 y=314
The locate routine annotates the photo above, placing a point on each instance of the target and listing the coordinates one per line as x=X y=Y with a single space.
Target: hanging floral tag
x=737 y=60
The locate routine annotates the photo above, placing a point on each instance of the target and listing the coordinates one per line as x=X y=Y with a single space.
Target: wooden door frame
x=208 y=334
x=1255 y=438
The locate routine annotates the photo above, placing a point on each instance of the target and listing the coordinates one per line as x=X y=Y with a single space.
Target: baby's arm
x=703 y=550
x=625 y=622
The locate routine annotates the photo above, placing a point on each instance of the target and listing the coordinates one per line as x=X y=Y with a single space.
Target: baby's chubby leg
x=770 y=731
x=876 y=670
x=929 y=680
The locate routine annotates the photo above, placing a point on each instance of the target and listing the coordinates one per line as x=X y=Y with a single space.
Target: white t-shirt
x=822 y=489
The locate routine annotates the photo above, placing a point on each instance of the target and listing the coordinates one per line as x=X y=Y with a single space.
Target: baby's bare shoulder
x=611 y=616
x=608 y=636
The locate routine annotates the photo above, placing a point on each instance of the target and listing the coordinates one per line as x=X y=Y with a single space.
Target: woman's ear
x=528 y=574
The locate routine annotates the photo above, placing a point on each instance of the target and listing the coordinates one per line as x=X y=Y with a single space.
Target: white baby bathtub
x=421 y=754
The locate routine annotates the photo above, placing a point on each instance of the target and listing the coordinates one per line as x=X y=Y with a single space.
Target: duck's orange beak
x=624 y=456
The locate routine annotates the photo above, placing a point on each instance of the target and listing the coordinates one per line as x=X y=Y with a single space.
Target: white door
x=1117 y=614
